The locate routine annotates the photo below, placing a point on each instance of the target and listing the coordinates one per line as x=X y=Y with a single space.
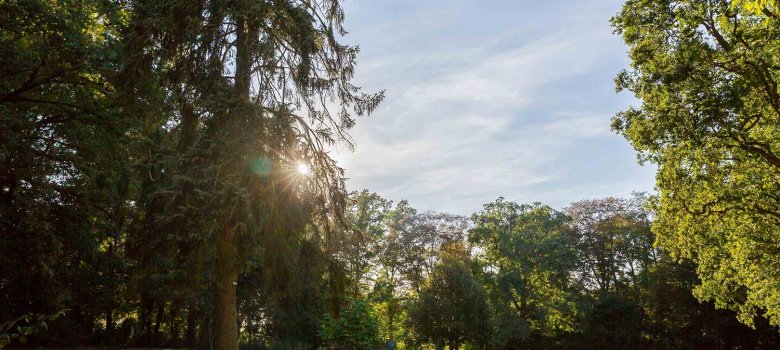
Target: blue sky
x=487 y=99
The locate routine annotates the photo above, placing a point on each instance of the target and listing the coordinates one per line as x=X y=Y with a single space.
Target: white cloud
x=464 y=124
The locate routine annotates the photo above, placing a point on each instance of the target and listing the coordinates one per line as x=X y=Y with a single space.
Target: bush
x=356 y=329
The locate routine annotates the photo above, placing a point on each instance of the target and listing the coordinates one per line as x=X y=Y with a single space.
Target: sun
x=303 y=169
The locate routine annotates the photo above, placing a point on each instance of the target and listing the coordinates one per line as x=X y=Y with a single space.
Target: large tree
x=528 y=253
x=365 y=227
x=707 y=75
x=176 y=132
x=423 y=238
x=452 y=307
x=614 y=243
x=63 y=167
x=393 y=251
x=264 y=77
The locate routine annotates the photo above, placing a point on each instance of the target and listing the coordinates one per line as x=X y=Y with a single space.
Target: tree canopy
x=706 y=73
x=167 y=180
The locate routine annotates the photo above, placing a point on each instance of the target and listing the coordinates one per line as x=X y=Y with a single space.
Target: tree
x=162 y=139
x=365 y=222
x=165 y=181
x=528 y=256
x=615 y=323
x=356 y=329
x=63 y=168
x=260 y=78
x=423 y=238
x=677 y=320
x=614 y=242
x=451 y=308
x=393 y=251
x=706 y=74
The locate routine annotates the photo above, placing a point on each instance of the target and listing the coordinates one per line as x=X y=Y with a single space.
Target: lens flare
x=303 y=169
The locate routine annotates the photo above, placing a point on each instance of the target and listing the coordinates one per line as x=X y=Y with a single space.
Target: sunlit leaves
x=707 y=73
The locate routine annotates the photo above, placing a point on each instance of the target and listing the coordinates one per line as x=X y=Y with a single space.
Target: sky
x=490 y=98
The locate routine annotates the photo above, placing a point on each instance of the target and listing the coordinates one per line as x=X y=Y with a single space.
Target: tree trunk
x=109 y=320
x=225 y=311
x=189 y=337
x=145 y=319
x=391 y=317
x=204 y=331
x=173 y=323
x=189 y=126
x=158 y=321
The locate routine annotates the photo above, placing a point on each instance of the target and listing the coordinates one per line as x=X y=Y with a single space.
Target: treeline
x=527 y=276
x=165 y=181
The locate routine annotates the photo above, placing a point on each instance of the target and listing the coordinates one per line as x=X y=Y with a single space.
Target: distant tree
x=528 y=256
x=423 y=238
x=615 y=323
x=394 y=251
x=356 y=329
x=451 y=309
x=615 y=256
x=365 y=227
x=405 y=256
x=707 y=75
x=614 y=243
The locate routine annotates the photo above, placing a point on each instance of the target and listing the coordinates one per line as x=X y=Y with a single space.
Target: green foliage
x=707 y=78
x=356 y=329
x=759 y=7
x=24 y=326
x=126 y=155
x=678 y=321
x=615 y=323
x=614 y=242
x=451 y=309
x=148 y=155
x=64 y=156
x=366 y=226
x=528 y=257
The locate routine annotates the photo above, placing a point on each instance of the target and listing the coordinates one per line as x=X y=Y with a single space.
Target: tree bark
x=173 y=323
x=225 y=312
x=158 y=320
x=145 y=319
x=189 y=125
x=109 y=319
x=204 y=331
x=189 y=337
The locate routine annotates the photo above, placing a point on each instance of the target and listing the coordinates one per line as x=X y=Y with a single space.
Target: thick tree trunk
x=189 y=126
x=225 y=312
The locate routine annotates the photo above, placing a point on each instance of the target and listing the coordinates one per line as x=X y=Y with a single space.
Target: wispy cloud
x=463 y=124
